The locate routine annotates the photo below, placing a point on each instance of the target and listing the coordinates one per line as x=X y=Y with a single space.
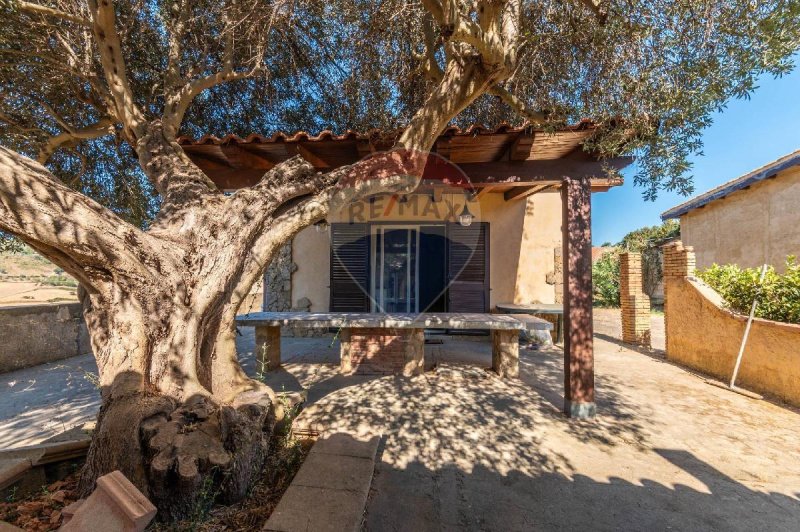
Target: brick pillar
x=576 y=195
x=635 y=303
x=679 y=263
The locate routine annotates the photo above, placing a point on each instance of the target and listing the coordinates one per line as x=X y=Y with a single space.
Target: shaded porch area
x=467 y=450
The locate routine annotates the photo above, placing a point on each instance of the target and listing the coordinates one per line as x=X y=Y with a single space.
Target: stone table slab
x=433 y=320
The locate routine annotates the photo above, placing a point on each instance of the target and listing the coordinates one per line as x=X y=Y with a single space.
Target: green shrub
x=605 y=280
x=59 y=280
x=779 y=297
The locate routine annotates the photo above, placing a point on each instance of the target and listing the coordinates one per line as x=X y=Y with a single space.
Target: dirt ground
x=34 y=293
x=28 y=279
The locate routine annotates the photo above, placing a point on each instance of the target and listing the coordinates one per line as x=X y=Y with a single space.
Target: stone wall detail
x=37 y=334
x=634 y=302
x=278 y=281
x=278 y=292
x=556 y=277
x=703 y=334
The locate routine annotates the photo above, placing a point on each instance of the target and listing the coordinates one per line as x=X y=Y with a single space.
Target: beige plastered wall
x=705 y=336
x=523 y=235
x=749 y=227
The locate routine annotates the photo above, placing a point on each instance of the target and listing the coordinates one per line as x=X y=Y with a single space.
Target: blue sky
x=744 y=136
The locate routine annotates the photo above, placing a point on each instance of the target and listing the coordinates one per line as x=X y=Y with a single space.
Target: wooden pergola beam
x=520 y=149
x=550 y=172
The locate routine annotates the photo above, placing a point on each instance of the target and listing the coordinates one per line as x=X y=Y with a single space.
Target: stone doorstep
x=330 y=491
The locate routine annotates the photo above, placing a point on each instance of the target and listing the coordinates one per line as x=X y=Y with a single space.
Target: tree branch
x=594 y=7
x=110 y=48
x=534 y=117
x=180 y=102
x=28 y=7
x=99 y=129
x=39 y=209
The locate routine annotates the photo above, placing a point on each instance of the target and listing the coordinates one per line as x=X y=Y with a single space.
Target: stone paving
x=462 y=449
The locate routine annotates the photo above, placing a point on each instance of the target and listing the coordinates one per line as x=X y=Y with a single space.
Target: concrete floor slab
x=337 y=472
x=344 y=445
x=306 y=508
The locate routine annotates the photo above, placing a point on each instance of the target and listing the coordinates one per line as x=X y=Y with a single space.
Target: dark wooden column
x=576 y=195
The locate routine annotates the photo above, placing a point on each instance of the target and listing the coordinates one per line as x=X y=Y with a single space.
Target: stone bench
x=391 y=343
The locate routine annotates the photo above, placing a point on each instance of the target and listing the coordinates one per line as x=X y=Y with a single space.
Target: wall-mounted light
x=465 y=218
x=321 y=226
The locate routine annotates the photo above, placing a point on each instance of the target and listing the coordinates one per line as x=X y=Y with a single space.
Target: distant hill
x=27 y=278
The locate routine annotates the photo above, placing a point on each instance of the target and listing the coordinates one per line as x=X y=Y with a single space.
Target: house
x=501 y=215
x=749 y=221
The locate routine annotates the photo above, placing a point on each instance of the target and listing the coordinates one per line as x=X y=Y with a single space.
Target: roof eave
x=720 y=192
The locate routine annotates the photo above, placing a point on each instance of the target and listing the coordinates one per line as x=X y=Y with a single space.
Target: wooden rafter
x=245 y=156
x=523 y=192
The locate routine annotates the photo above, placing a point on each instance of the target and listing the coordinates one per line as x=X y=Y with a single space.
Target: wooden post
x=268 y=348
x=576 y=195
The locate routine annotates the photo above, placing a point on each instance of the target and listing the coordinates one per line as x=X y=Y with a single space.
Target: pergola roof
x=514 y=160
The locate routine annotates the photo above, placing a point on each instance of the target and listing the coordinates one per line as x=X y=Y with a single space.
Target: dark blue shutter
x=468 y=268
x=350 y=262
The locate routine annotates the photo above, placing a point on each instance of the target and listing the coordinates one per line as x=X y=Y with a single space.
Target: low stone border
x=330 y=491
x=15 y=463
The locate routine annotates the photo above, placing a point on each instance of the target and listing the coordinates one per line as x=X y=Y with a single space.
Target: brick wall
x=635 y=303
x=382 y=351
x=679 y=263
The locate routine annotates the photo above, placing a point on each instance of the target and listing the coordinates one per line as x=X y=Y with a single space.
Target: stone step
x=330 y=491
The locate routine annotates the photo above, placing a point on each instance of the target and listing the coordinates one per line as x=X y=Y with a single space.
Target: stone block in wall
x=37 y=334
x=558 y=274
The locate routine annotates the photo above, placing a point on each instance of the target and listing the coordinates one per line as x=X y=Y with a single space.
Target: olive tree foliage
x=93 y=94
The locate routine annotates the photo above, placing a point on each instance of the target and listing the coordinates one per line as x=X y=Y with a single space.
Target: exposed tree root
x=182 y=455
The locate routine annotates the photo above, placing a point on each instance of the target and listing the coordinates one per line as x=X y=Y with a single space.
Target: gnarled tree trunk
x=178 y=413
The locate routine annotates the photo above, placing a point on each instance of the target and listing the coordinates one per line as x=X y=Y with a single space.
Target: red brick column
x=679 y=263
x=576 y=196
x=635 y=303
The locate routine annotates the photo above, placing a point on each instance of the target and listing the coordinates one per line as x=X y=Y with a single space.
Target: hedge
x=779 y=297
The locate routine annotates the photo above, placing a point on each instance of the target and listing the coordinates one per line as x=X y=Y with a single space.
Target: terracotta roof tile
x=304 y=136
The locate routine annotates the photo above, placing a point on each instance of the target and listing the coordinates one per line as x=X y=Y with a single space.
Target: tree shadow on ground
x=657 y=354
x=543 y=372
x=418 y=497
x=41 y=401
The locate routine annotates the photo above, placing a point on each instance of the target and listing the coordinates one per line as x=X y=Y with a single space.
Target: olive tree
x=93 y=94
